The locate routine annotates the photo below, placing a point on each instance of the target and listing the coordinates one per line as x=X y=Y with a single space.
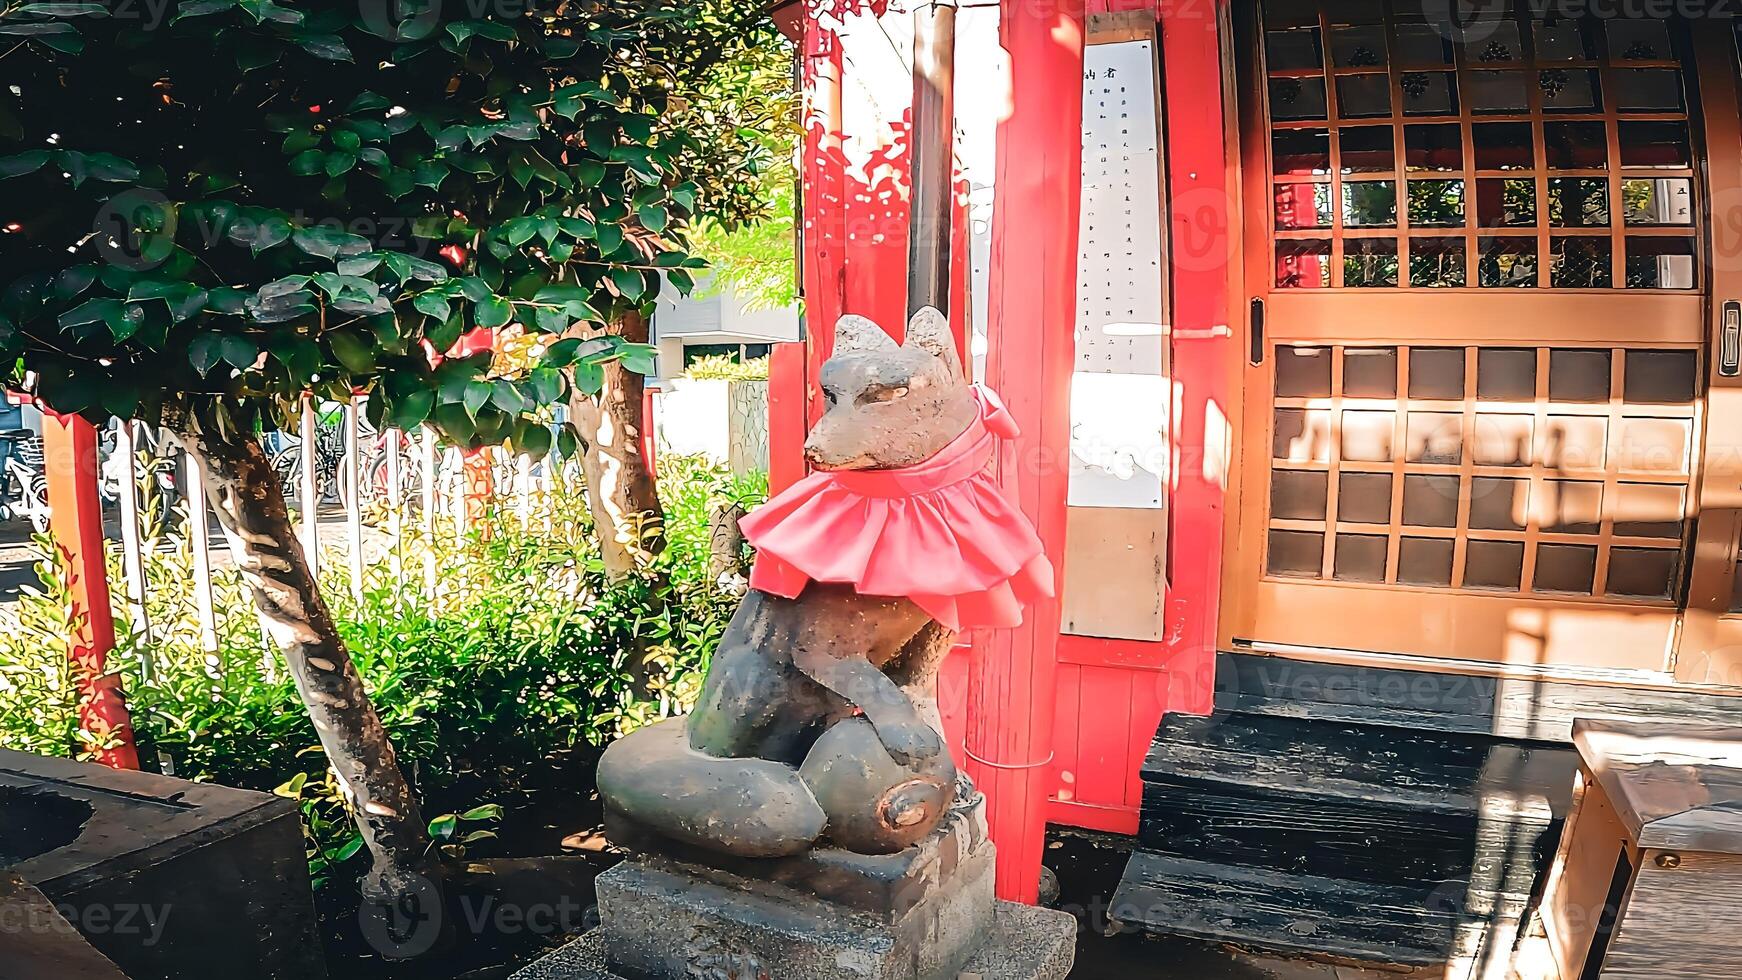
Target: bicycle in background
x=23 y=488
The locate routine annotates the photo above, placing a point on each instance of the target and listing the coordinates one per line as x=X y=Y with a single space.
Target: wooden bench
x=1648 y=881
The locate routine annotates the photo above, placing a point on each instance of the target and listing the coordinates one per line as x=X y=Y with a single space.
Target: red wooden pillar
x=76 y=525
x=1205 y=353
x=793 y=368
x=1031 y=318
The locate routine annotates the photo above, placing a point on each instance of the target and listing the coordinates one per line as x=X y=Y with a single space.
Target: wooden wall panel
x=1067 y=745
x=1152 y=691
x=1115 y=581
x=1680 y=921
x=1104 y=730
x=1106 y=718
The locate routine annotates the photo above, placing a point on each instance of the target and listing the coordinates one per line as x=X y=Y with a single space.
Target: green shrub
x=724 y=367
x=522 y=651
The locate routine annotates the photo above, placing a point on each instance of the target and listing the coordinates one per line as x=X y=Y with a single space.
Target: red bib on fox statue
x=939 y=533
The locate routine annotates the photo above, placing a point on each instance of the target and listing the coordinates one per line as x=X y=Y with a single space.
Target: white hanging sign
x=1119 y=388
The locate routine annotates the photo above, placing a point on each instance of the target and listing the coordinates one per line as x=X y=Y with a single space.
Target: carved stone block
x=673 y=911
x=1022 y=943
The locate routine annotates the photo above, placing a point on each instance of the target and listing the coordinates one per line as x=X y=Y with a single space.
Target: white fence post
x=311 y=490
x=351 y=492
x=200 y=541
x=395 y=506
x=132 y=548
x=456 y=461
x=548 y=478
x=523 y=489
x=427 y=463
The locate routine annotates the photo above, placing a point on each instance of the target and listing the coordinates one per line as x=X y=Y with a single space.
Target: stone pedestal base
x=673 y=912
x=1023 y=943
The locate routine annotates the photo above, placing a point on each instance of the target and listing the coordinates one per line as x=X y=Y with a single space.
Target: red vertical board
x=1201 y=249
x=793 y=399
x=855 y=256
x=69 y=446
x=1030 y=325
x=854 y=247
x=1067 y=740
x=1105 y=791
x=1105 y=734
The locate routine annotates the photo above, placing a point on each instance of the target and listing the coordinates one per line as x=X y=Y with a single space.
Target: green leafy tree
x=740 y=110
x=751 y=244
x=209 y=208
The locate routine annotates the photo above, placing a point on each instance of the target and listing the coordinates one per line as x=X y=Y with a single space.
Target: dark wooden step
x=1371 y=843
x=1416 y=700
x=1269 y=910
x=1324 y=799
x=1330 y=760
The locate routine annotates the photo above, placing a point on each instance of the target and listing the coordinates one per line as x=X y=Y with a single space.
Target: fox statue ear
x=929 y=330
x=854 y=332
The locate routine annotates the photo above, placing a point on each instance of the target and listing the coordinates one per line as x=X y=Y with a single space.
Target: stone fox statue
x=818 y=721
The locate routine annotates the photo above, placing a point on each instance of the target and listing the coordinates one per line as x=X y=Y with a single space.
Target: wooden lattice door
x=1474 y=410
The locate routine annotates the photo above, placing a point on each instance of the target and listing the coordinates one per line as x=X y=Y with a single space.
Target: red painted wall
x=1113 y=693
x=854 y=248
x=1110 y=695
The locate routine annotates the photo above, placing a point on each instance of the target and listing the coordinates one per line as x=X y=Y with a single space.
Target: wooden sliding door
x=1474 y=408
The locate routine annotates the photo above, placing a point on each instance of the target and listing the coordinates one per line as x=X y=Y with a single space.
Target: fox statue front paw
x=911 y=744
x=875 y=803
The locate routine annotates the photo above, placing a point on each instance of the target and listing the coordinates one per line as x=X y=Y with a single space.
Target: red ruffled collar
x=940 y=533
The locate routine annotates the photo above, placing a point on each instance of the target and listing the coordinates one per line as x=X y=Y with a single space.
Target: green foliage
x=39 y=697
x=724 y=367
x=754 y=263
x=752 y=97
x=521 y=653
x=215 y=205
x=453 y=832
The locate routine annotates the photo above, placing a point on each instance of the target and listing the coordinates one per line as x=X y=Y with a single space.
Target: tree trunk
x=244 y=494
x=620 y=487
x=621 y=492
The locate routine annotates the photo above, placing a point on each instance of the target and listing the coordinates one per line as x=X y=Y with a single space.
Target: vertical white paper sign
x=1119 y=388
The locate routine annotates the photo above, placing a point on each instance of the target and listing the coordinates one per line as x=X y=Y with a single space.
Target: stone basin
x=169 y=879
x=34 y=822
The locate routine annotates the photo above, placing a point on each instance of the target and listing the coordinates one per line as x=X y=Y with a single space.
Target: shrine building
x=1379 y=366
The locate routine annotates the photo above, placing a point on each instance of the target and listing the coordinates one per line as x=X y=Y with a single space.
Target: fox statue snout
x=890 y=405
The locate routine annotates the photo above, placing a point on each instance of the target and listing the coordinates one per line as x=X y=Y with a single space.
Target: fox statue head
x=890 y=405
